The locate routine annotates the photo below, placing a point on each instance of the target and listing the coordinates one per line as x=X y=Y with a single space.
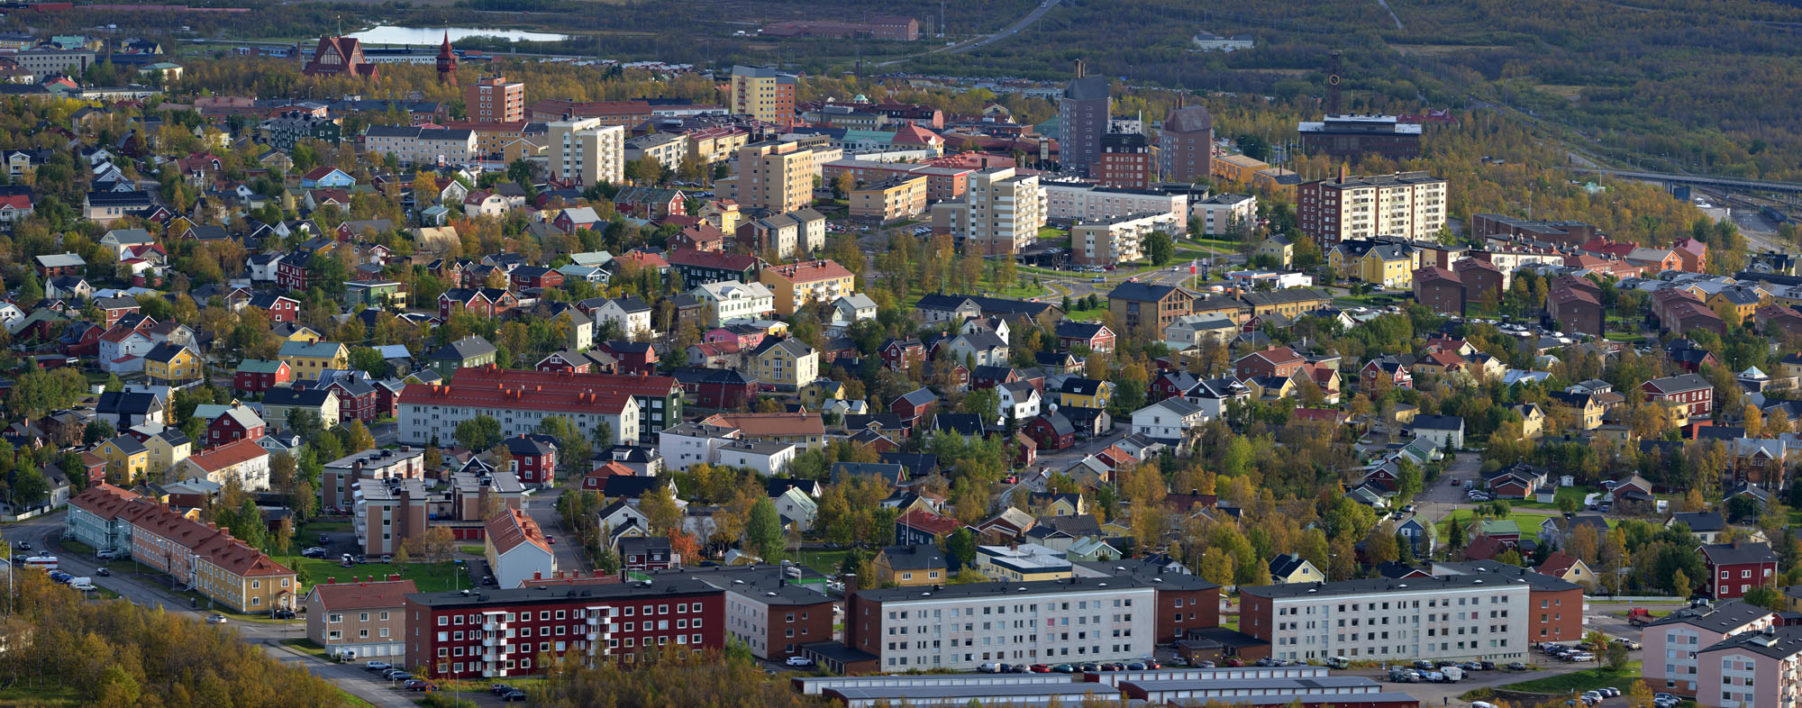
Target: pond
x=385 y=34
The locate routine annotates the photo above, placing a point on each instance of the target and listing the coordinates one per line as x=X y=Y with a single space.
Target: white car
x=798 y=661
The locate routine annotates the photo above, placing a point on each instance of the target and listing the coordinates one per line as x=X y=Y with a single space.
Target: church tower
x=447 y=62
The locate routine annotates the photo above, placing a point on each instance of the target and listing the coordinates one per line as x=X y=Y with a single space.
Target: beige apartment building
x=1001 y=213
x=774 y=176
x=763 y=93
x=586 y=152
x=890 y=199
x=360 y=619
x=1118 y=240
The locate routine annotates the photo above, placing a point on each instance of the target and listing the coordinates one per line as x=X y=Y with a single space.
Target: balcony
x=490 y=641
x=493 y=626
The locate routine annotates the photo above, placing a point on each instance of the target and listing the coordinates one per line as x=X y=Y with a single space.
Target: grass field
x=823 y=561
x=306 y=646
x=1579 y=681
x=430 y=577
x=1528 y=521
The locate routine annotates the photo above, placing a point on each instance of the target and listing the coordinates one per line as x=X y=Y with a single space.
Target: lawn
x=55 y=694
x=430 y=577
x=1052 y=232
x=1579 y=681
x=308 y=647
x=1095 y=314
x=472 y=550
x=823 y=561
x=1528 y=521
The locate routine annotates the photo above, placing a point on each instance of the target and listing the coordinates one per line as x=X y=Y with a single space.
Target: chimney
x=394 y=577
x=331 y=580
x=1080 y=69
x=1344 y=171
x=537 y=575
x=850 y=581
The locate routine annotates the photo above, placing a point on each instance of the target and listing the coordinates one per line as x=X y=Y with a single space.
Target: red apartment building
x=1125 y=161
x=499 y=633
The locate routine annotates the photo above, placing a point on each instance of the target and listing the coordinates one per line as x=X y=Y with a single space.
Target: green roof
x=259 y=366
x=1499 y=527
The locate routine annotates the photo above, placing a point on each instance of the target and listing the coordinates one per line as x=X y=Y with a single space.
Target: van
x=1452 y=673
x=82 y=583
x=1338 y=662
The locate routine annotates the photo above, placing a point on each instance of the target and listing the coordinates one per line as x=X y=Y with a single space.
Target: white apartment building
x=1001 y=213
x=586 y=152
x=730 y=301
x=693 y=443
x=1410 y=205
x=1069 y=200
x=412 y=145
x=1119 y=239
x=1222 y=213
x=960 y=627
x=1480 y=616
x=435 y=416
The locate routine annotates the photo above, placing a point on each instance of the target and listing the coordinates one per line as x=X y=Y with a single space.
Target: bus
x=45 y=563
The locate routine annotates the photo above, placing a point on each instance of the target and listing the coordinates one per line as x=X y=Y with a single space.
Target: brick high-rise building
x=1186 y=145
x=763 y=93
x=1082 y=114
x=494 y=99
x=1125 y=161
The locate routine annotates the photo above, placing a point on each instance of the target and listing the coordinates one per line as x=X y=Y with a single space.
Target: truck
x=1639 y=617
x=1452 y=673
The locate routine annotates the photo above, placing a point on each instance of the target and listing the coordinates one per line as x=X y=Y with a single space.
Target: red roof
x=1436 y=273
x=236 y=452
x=810 y=271
x=510 y=528
x=711 y=259
x=16 y=201
x=493 y=387
x=1557 y=564
x=363 y=596
x=912 y=134
x=929 y=522
x=103 y=500
x=645 y=259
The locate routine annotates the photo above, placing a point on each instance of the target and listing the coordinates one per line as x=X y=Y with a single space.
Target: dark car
x=419 y=685
x=1135 y=666
x=1017 y=669
x=284 y=614
x=1063 y=669
x=514 y=696
x=1089 y=668
x=499 y=688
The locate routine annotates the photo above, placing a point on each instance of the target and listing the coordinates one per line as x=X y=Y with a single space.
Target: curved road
x=985 y=40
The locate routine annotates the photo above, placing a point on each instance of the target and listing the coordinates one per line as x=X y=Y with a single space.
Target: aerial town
x=432 y=375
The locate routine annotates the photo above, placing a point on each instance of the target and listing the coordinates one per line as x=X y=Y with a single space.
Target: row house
x=201 y=556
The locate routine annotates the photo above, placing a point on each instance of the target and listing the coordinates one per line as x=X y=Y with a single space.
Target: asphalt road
x=985 y=40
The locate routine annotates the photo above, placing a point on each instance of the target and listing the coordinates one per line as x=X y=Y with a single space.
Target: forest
x=64 y=649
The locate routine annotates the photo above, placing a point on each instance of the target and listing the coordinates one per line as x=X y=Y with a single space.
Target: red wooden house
x=450 y=301
x=259 y=375
x=1051 y=431
x=291 y=272
x=239 y=423
x=534 y=458
x=898 y=354
x=279 y=308
x=1735 y=568
x=915 y=405
x=535 y=277
x=356 y=399
x=633 y=357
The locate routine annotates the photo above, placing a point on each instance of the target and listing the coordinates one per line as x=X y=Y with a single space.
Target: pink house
x=1751 y=669
x=1680 y=637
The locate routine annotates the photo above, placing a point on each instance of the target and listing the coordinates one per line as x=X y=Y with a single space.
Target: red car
x=1041 y=669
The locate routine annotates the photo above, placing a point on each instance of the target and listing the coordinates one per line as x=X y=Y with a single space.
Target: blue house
x=327 y=178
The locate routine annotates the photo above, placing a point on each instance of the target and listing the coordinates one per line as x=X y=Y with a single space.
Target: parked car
x=103 y=572
x=419 y=685
x=1205 y=665
x=377 y=666
x=1153 y=665
x=1089 y=668
x=312 y=552
x=798 y=661
x=216 y=619
x=399 y=676
x=284 y=614
x=106 y=555
x=1517 y=666
x=1063 y=669
x=514 y=696
x=1040 y=669
x=499 y=688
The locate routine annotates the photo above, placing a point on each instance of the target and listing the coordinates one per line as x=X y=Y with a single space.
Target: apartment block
x=1477 y=616
x=386 y=513
x=339 y=480
x=1674 y=645
x=1100 y=616
x=895 y=198
x=1083 y=112
x=1410 y=205
x=764 y=94
x=796 y=284
x=494 y=99
x=413 y=145
x=1067 y=199
x=1125 y=161
x=1186 y=144
x=520 y=400
x=202 y=556
x=586 y=151
x=359 y=619
x=1002 y=212
x=1117 y=240
x=774 y=176
x=500 y=633
x=1222 y=214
